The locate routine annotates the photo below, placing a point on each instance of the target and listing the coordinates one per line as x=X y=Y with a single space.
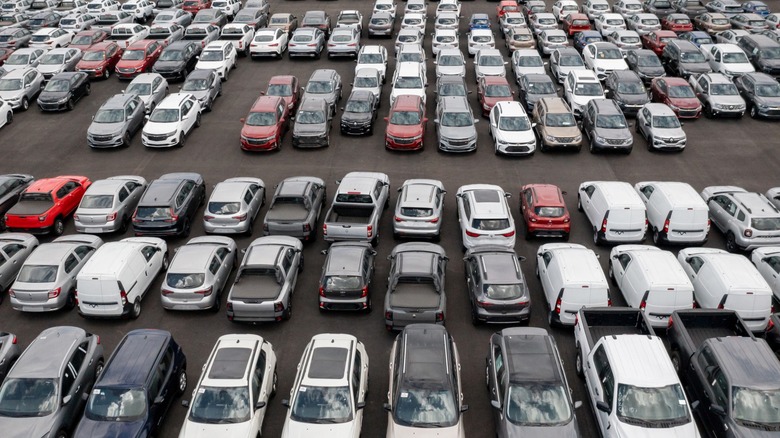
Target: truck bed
x=287 y=212
x=256 y=287
x=415 y=296
x=358 y=214
x=30 y=207
x=690 y=328
x=600 y=322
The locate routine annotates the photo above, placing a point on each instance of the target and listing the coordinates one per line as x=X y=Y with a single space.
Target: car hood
x=740 y=68
x=621 y=133
x=108 y=429
x=200 y=94
x=529 y=70
x=533 y=98
x=687 y=430
x=458 y=132
x=404 y=131
x=728 y=100
x=168 y=65
x=397 y=431
x=356 y=117
x=105 y=128
x=50 y=68
x=202 y=430
x=491 y=70
x=651 y=71
x=769 y=63
x=309 y=129
x=696 y=67
x=330 y=98
x=669 y=132
x=610 y=64
x=444 y=70
x=209 y=65
x=769 y=101
x=6 y=95
x=293 y=429
x=633 y=99
x=569 y=430
x=27 y=427
x=52 y=96
x=159 y=128
x=688 y=102
x=90 y=64
x=515 y=137
x=129 y=64
x=258 y=131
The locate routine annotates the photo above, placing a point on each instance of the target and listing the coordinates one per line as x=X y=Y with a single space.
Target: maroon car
x=4 y=54
x=491 y=90
x=100 y=59
x=656 y=41
x=87 y=38
x=406 y=124
x=138 y=58
x=678 y=95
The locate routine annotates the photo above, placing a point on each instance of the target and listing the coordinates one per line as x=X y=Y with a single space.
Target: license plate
x=31 y=309
x=93 y=230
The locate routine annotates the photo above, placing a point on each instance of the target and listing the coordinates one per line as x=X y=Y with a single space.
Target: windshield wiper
x=760 y=425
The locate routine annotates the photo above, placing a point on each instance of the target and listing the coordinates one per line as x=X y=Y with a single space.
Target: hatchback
x=108 y=204
x=234 y=205
x=169 y=205
x=419 y=209
x=660 y=127
x=484 y=216
x=346 y=276
x=497 y=289
x=544 y=211
x=606 y=127
x=198 y=273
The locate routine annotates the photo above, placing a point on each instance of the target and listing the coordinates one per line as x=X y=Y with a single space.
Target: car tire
x=135 y=312
x=62 y=434
x=287 y=313
x=165 y=262
x=274 y=384
x=225 y=75
x=9 y=118
x=753 y=112
x=217 y=302
x=59 y=227
x=182 y=140
x=107 y=73
x=592 y=146
x=611 y=275
x=596 y=238
x=88 y=90
x=578 y=365
x=474 y=320
x=300 y=264
x=731 y=243
x=676 y=361
x=657 y=240
x=579 y=203
x=182 y=382
x=187 y=228
x=25 y=103
x=126 y=139
x=70 y=302
x=209 y=104
x=197 y=120
x=70 y=104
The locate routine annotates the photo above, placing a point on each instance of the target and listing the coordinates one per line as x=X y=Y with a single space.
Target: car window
x=82 y=251
x=547 y=258
x=185 y=109
x=222 y=253
x=248 y=197
x=214 y=265
x=741 y=216
x=624 y=260
x=148 y=252
x=183 y=193
x=696 y=263
x=773 y=262
x=356 y=369
x=123 y=194
x=257 y=376
x=498 y=363
x=287 y=261
x=474 y=271
x=161 y=373
x=61 y=192
x=79 y=355
x=720 y=388
x=131 y=106
x=589 y=191
x=12 y=249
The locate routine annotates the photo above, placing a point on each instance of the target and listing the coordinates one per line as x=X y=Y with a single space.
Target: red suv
x=544 y=211
x=406 y=124
x=193 y=6
x=265 y=125
x=44 y=206
x=138 y=58
x=287 y=88
x=100 y=59
x=491 y=90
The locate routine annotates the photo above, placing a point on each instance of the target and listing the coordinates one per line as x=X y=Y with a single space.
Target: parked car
x=747 y=219
x=544 y=211
x=497 y=289
x=202 y=34
x=492 y=90
x=166 y=34
x=268 y=42
x=125 y=34
x=582 y=86
x=306 y=42
x=556 y=126
x=375 y=57
x=511 y=129
x=15 y=37
x=656 y=41
x=57 y=61
x=234 y=205
x=23 y=58
x=360 y=111
x=151 y=88
x=265 y=125
x=643 y=23
x=357 y=207
x=313 y=122
x=285 y=87
x=108 y=204
x=479 y=39
x=415 y=285
x=762 y=94
x=676 y=214
x=285 y=21
x=564 y=60
x=318 y=20
x=9 y=353
x=658 y=124
x=646 y=64
x=346 y=277
x=406 y=123
x=295 y=208
x=198 y=274
x=455 y=125
x=220 y=56
x=520 y=38
x=116 y=121
x=712 y=22
x=169 y=204
x=678 y=95
x=575 y=22
x=177 y=60
x=205 y=86
x=718 y=94
x=52 y=199
x=484 y=216
x=534 y=87
x=603 y=59
x=682 y=58
x=63 y=91
x=606 y=127
x=677 y=23
x=697 y=37
x=172 y=16
x=582 y=39
x=138 y=58
x=19 y=87
x=195 y=6
x=100 y=59
x=369 y=80
x=172 y=121
x=14 y=250
x=615 y=211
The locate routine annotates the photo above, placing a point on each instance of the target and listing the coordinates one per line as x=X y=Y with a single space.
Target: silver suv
x=116 y=121
x=325 y=83
x=718 y=95
x=606 y=127
x=748 y=219
x=418 y=212
x=455 y=122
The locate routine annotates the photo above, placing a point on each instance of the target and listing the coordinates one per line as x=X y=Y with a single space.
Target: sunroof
x=486 y=196
x=230 y=363
x=328 y=363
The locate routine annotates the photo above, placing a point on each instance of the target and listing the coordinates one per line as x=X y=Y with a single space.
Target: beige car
x=520 y=37
x=712 y=22
x=555 y=125
x=285 y=21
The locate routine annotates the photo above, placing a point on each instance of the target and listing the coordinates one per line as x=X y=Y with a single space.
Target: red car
x=87 y=38
x=406 y=124
x=100 y=59
x=45 y=205
x=656 y=41
x=544 y=211
x=287 y=88
x=5 y=52
x=574 y=23
x=678 y=95
x=265 y=125
x=138 y=58
x=193 y=6
x=491 y=90
x=506 y=6
x=677 y=23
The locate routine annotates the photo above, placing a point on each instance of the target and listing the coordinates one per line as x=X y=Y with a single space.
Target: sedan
x=656 y=41
x=712 y=22
x=198 y=274
x=677 y=23
x=108 y=204
x=306 y=42
x=87 y=38
x=359 y=113
x=172 y=16
x=318 y=20
x=269 y=42
x=210 y=16
x=252 y=17
x=205 y=86
x=63 y=91
x=47 y=280
x=59 y=60
x=678 y=95
x=19 y=87
x=344 y=41
x=285 y=21
x=14 y=250
x=9 y=353
x=138 y=58
x=44 y=19
x=100 y=59
x=234 y=205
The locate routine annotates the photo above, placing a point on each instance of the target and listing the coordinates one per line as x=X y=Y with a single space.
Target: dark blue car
x=479 y=21
x=697 y=37
x=582 y=39
x=146 y=372
x=756 y=7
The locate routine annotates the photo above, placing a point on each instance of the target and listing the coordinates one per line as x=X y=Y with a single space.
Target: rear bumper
x=190 y=304
x=173 y=230
x=50 y=305
x=39 y=230
x=97 y=310
x=504 y=317
x=108 y=227
x=555 y=230
x=355 y=304
x=241 y=227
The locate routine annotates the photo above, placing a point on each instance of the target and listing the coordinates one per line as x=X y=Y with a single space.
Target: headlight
x=549 y=137
x=674 y=107
x=486 y=106
x=63 y=100
x=762 y=106
x=578 y=138
x=600 y=139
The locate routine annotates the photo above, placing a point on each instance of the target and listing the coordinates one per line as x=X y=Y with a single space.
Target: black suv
x=177 y=60
x=169 y=204
x=626 y=88
x=682 y=58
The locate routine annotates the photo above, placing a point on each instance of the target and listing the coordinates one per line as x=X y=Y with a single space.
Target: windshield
x=556 y=39
x=648 y=61
x=456 y=119
x=278 y=90
x=681 y=91
x=380 y=21
x=612 y=121
x=450 y=61
x=37 y=274
x=768 y=90
x=490 y=224
x=514 y=124
x=482 y=38
x=723 y=90
x=405 y=118
x=211 y=55
x=538 y=404
x=358 y=106
x=319 y=87
x=17 y=59
x=631 y=87
x=133 y=55
x=491 y=61
x=766 y=224
x=409 y=82
x=221 y=405
x=52 y=59
x=411 y=57
x=609 y=54
x=521 y=37
x=629 y=40
x=560 y=120
x=370 y=58
x=195 y=85
x=648 y=406
x=407 y=38
x=186 y=281
x=257 y=119
x=760 y=406
x=139 y=89
x=734 y=58
x=82 y=40
x=323 y=405
x=153 y=213
x=666 y=122
x=770 y=53
x=164 y=17
x=570 y=61
x=529 y=61
x=39 y=38
x=109 y=116
x=28 y=397
x=343 y=282
x=165 y=115
x=58 y=86
x=452 y=90
x=366 y=82
x=118 y=404
x=278 y=20
x=97 y=201
x=588 y=89
x=425 y=404
x=542 y=87
x=616 y=22
x=310 y=117
x=691 y=57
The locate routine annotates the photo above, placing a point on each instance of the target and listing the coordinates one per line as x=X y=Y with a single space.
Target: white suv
x=484 y=216
x=219 y=56
x=172 y=121
x=408 y=79
x=580 y=87
x=237 y=382
x=329 y=393
x=511 y=129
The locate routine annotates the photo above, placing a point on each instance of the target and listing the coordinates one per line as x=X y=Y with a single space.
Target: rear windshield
x=153 y=212
x=184 y=281
x=766 y=224
x=503 y=291
x=549 y=211
x=97 y=201
x=343 y=282
x=357 y=198
x=490 y=224
x=37 y=274
x=416 y=212
x=39 y=197
x=224 y=207
x=288 y=200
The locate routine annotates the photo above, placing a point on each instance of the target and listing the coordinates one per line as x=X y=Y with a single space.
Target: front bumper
x=457 y=145
x=310 y=142
x=400 y=144
x=155 y=141
x=105 y=141
x=250 y=144
x=52 y=106
x=358 y=129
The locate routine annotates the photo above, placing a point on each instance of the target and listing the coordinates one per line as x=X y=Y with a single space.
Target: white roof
x=661 y=269
x=109 y=258
x=736 y=272
x=619 y=194
x=679 y=194
x=579 y=265
x=640 y=360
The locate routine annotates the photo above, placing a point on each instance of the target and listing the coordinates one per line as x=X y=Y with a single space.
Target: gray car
x=211 y=16
x=450 y=85
x=564 y=60
x=533 y=87
x=497 y=289
x=606 y=127
x=660 y=127
x=344 y=41
x=15 y=37
x=45 y=391
x=177 y=60
x=325 y=84
x=346 y=276
x=47 y=280
x=415 y=285
x=173 y=16
x=295 y=208
x=646 y=64
x=306 y=41
x=748 y=220
x=234 y=205
x=204 y=85
x=718 y=95
x=11 y=186
x=381 y=24
x=312 y=124
x=682 y=58
x=14 y=250
x=151 y=88
x=419 y=209
x=9 y=353
x=21 y=86
x=628 y=90
x=527 y=386
x=198 y=274
x=455 y=125
x=762 y=94
x=59 y=60
x=116 y=121
x=108 y=204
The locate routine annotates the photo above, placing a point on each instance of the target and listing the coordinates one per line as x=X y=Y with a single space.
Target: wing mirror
x=496 y=404
x=260 y=405
x=602 y=406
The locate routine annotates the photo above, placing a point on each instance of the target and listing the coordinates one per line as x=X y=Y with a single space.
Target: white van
x=728 y=281
x=114 y=281
x=615 y=211
x=571 y=278
x=651 y=280
x=675 y=212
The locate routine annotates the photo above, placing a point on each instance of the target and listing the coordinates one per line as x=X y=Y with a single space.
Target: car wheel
x=217 y=302
x=209 y=104
x=62 y=434
x=197 y=120
x=656 y=236
x=187 y=228
x=25 y=103
x=596 y=238
x=126 y=139
x=58 y=227
x=182 y=140
x=753 y=112
x=135 y=312
x=474 y=319
x=9 y=118
x=611 y=275
x=165 y=262
x=300 y=264
x=274 y=385
x=592 y=146
x=225 y=75
x=369 y=306
x=70 y=302
x=578 y=363
x=731 y=243
x=675 y=357
x=107 y=73
x=579 y=203
x=88 y=90
x=99 y=368
x=124 y=225
x=550 y=321
x=71 y=104
x=182 y=381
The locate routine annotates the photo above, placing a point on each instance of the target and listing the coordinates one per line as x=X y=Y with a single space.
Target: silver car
x=306 y=41
x=564 y=60
x=151 y=88
x=381 y=24
x=108 y=204
x=47 y=279
x=455 y=125
x=9 y=353
x=718 y=95
x=660 y=127
x=344 y=41
x=198 y=273
x=21 y=86
x=606 y=127
x=325 y=84
x=748 y=219
x=205 y=85
x=59 y=60
x=14 y=250
x=418 y=212
x=115 y=122
x=234 y=205
x=295 y=208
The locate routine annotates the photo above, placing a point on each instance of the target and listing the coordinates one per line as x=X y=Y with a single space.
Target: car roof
x=142 y=44
x=530 y=355
x=263 y=253
x=229 y=191
x=198 y=74
x=217 y=45
x=103 y=45
x=51 y=253
x=484 y=31
x=323 y=73
x=426 y=355
x=640 y=360
x=555 y=104
x=173 y=100
x=45 y=356
x=231 y=359
x=748 y=362
x=606 y=106
x=266 y=103
x=407 y=102
x=500 y=267
x=345 y=258
x=192 y=258
x=46 y=185
x=105 y=186
x=418 y=195
x=578 y=265
x=547 y=195
x=329 y=359
x=756 y=204
x=134 y=358
x=312 y=103
x=160 y=192
x=626 y=75
x=584 y=75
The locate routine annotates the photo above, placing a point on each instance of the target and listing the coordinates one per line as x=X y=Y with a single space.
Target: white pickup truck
x=357 y=207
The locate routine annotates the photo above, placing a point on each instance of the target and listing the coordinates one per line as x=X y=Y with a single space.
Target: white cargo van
x=651 y=280
x=675 y=212
x=615 y=211
x=571 y=278
x=728 y=281
x=114 y=281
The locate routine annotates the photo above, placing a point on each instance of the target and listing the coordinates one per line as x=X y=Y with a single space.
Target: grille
x=688 y=113
x=564 y=139
x=518 y=149
x=102 y=137
x=403 y=140
x=156 y=137
x=615 y=141
x=127 y=70
x=256 y=141
x=459 y=142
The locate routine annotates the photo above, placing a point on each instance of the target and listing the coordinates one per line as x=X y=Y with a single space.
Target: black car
x=252 y=17
x=533 y=87
x=64 y=90
x=177 y=60
x=646 y=64
x=627 y=89
x=761 y=93
x=359 y=113
x=143 y=376
x=169 y=204
x=11 y=186
x=772 y=333
x=44 y=19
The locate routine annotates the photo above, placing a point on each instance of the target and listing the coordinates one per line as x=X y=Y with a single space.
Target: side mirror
x=425 y=120
x=146 y=118
x=476 y=121
x=324 y=252
x=360 y=405
x=66 y=399
x=185 y=403
x=464 y=408
x=533 y=125
x=602 y=406
x=718 y=410
x=436 y=121
x=387 y=119
x=159 y=400
x=577 y=404
x=260 y=405
x=286 y=403
x=496 y=404
x=123 y=91
x=387 y=407
x=682 y=124
x=197 y=56
x=242 y=120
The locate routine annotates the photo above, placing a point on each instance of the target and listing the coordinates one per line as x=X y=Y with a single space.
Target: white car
x=767 y=261
x=368 y=79
x=229 y=7
x=446 y=20
x=375 y=57
x=542 y=21
x=489 y=62
x=416 y=7
x=625 y=40
x=219 y=56
x=172 y=121
x=408 y=36
x=388 y=6
x=329 y=393
x=731 y=36
x=77 y=22
x=526 y=62
x=562 y=8
x=413 y=53
x=580 y=87
x=50 y=38
x=126 y=34
x=23 y=58
x=627 y=8
x=511 y=130
x=73 y=6
x=59 y=60
x=728 y=59
x=603 y=58
x=413 y=21
x=20 y=86
x=594 y=8
x=241 y=35
x=608 y=23
x=140 y=9
x=269 y=42
x=448 y=6
x=450 y=62
x=10 y=6
x=231 y=397
x=444 y=39
x=6 y=113
x=484 y=216
x=510 y=20
x=479 y=39
x=96 y=7
x=644 y=23
x=408 y=79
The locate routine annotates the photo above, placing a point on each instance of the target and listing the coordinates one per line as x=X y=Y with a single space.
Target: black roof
x=529 y=356
x=160 y=191
x=230 y=363
x=178 y=45
x=747 y=362
x=328 y=363
x=131 y=363
x=426 y=356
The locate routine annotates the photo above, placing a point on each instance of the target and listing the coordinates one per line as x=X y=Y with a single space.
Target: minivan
x=728 y=281
x=676 y=214
x=651 y=280
x=763 y=52
x=571 y=278
x=115 y=279
x=615 y=211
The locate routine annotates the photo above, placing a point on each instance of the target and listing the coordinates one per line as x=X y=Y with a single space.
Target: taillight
x=558 y=306
x=397 y=219
x=123 y=296
x=240 y=217
x=604 y=225
x=364 y=292
x=509 y=234
x=265 y=227
x=389 y=315
x=609 y=301
x=484 y=304
x=324 y=229
x=642 y=305
x=322 y=291
x=54 y=293
x=709 y=222
x=434 y=220
x=13 y=341
x=174 y=217
x=472 y=234
x=769 y=326
x=311 y=45
x=166 y=292
x=370 y=231
x=207 y=217
x=205 y=292
x=75 y=217
x=229 y=306
x=278 y=307
x=671 y=323
x=748 y=232
x=351 y=44
x=666 y=226
x=439 y=316
x=306 y=227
